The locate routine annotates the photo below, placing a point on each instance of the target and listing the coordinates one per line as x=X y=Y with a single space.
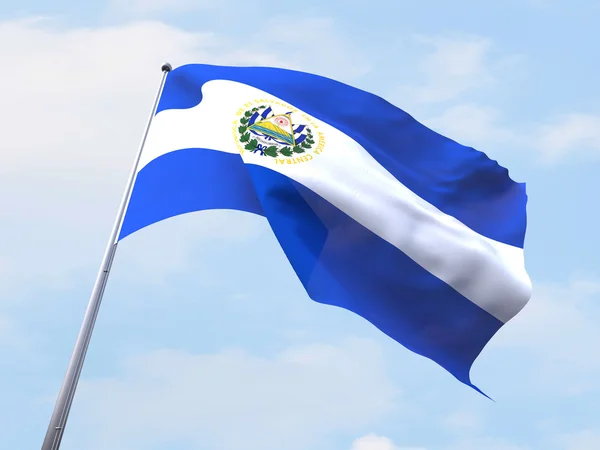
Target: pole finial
x=166 y=67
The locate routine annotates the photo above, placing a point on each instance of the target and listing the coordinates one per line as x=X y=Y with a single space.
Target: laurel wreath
x=272 y=151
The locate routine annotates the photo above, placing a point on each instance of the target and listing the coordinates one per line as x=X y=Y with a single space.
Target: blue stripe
x=338 y=261
x=341 y=263
x=186 y=181
x=458 y=180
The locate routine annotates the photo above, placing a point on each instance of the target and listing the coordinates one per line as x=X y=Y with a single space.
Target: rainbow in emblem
x=277 y=127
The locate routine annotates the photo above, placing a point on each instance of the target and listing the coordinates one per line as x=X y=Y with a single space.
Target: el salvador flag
x=377 y=214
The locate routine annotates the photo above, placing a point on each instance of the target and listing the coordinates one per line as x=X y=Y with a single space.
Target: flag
x=376 y=213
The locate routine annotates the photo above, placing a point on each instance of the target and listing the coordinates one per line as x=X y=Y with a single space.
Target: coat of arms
x=274 y=135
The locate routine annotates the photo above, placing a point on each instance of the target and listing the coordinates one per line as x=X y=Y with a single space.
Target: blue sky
x=206 y=339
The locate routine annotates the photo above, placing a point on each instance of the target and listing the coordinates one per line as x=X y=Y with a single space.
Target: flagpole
x=64 y=401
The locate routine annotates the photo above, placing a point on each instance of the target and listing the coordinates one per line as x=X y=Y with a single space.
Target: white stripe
x=489 y=273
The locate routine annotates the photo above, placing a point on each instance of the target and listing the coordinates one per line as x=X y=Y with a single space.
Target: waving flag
x=377 y=214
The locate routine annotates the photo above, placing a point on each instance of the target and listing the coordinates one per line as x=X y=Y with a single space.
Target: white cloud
x=374 y=442
x=9 y=335
x=234 y=400
x=583 y=440
x=141 y=7
x=483 y=128
x=570 y=135
x=556 y=336
x=455 y=66
x=317 y=46
x=75 y=102
x=463 y=421
x=472 y=125
x=486 y=443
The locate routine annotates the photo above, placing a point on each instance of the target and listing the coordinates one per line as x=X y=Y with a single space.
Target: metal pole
x=64 y=401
